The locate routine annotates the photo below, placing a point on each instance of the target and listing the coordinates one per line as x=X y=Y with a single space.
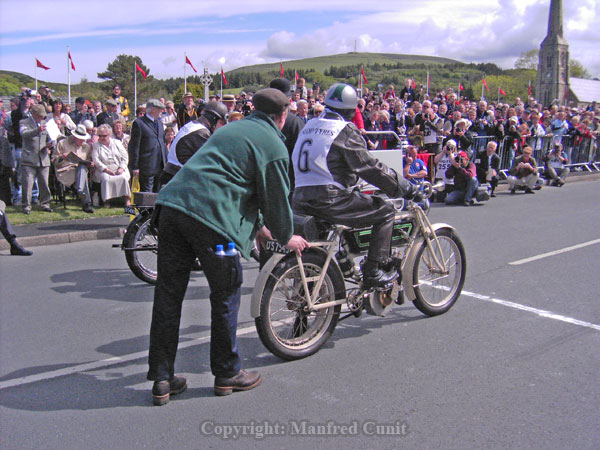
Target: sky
x=234 y=33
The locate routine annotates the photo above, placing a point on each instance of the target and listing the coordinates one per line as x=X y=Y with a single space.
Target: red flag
x=460 y=87
x=485 y=84
x=223 y=75
x=297 y=76
x=529 y=89
x=281 y=73
x=39 y=64
x=362 y=72
x=139 y=69
x=414 y=85
x=187 y=60
x=71 y=59
x=501 y=91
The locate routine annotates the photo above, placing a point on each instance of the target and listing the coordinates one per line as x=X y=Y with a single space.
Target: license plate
x=130 y=210
x=276 y=247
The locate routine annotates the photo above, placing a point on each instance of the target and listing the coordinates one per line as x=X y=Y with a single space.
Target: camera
x=315 y=86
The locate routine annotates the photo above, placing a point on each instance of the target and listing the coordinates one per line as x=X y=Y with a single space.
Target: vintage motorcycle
x=297 y=300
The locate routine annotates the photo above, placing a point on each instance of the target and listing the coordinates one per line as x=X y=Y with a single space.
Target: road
x=514 y=364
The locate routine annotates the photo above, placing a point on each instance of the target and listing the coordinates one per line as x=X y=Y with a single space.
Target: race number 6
x=303 y=155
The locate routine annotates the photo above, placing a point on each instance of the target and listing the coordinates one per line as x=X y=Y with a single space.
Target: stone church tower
x=553 y=63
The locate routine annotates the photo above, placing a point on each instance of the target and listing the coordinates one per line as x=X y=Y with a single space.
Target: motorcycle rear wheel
x=435 y=292
x=284 y=326
x=139 y=235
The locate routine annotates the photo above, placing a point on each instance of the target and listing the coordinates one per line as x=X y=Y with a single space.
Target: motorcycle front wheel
x=285 y=326
x=435 y=291
x=141 y=248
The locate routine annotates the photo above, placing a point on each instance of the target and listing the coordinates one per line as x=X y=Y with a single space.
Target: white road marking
x=539 y=312
x=555 y=252
x=86 y=367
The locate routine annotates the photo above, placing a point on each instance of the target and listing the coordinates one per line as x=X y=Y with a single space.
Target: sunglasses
x=104 y=135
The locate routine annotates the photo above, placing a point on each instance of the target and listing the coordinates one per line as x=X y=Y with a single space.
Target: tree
x=577 y=70
x=121 y=72
x=528 y=60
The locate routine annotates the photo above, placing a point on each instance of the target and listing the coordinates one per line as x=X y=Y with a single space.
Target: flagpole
x=428 y=83
x=68 y=76
x=498 y=95
x=134 y=87
x=184 y=75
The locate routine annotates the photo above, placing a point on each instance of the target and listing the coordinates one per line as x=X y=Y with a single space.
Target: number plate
x=276 y=247
x=130 y=210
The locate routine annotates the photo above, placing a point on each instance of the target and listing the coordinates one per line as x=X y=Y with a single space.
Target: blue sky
x=235 y=33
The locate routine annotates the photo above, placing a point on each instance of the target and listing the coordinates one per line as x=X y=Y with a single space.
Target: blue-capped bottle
x=220 y=251
x=231 y=250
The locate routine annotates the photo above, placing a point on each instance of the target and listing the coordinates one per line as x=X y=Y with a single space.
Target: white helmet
x=342 y=98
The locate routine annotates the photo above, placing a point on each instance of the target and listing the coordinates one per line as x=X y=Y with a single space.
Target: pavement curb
x=66 y=238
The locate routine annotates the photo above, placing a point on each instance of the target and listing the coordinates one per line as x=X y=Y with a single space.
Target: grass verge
x=72 y=211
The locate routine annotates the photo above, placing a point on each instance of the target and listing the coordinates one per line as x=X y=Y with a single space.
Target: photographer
x=442 y=163
x=462 y=137
x=430 y=127
x=555 y=166
x=523 y=172
x=464 y=174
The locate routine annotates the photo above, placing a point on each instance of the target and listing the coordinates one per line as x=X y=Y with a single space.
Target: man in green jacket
x=219 y=196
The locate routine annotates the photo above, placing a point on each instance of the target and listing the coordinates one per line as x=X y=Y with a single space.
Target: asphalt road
x=515 y=363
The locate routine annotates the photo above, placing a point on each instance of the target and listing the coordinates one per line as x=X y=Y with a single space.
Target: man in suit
x=111 y=115
x=488 y=166
x=147 y=149
x=35 y=158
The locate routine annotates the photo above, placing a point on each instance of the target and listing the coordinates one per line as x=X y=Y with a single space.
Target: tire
x=143 y=263
x=283 y=327
x=436 y=293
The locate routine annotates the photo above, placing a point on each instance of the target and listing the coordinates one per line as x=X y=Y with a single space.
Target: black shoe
x=529 y=191
x=47 y=209
x=538 y=187
x=513 y=190
x=162 y=390
x=88 y=208
x=560 y=183
x=492 y=195
x=243 y=381
x=17 y=249
x=379 y=278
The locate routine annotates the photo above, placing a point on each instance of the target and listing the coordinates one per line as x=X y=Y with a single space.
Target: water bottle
x=220 y=251
x=231 y=251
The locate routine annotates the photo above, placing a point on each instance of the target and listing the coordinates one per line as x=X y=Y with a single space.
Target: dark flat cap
x=111 y=101
x=281 y=84
x=270 y=101
x=155 y=103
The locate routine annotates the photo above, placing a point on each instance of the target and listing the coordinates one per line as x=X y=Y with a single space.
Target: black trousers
x=181 y=240
x=353 y=209
x=5 y=228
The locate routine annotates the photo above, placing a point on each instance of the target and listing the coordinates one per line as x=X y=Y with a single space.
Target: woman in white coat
x=110 y=159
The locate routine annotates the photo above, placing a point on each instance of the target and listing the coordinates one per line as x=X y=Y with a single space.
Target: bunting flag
x=414 y=85
x=460 y=87
x=297 y=77
x=39 y=64
x=223 y=76
x=139 y=69
x=529 y=89
x=281 y=72
x=362 y=72
x=187 y=60
x=485 y=84
x=71 y=60
x=501 y=91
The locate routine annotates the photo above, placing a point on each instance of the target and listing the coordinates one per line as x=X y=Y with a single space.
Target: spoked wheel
x=285 y=325
x=142 y=261
x=437 y=291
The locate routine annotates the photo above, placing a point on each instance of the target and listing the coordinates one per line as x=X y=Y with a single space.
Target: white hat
x=80 y=132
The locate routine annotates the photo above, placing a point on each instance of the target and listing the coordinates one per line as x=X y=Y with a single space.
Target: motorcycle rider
x=329 y=158
x=192 y=136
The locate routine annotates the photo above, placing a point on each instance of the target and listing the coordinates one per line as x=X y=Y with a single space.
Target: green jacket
x=241 y=170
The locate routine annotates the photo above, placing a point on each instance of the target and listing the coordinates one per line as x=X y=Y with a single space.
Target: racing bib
x=188 y=128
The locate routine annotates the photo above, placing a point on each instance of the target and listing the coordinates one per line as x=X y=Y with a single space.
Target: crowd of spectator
x=435 y=130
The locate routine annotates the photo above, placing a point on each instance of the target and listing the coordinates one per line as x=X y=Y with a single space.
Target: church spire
x=555 y=23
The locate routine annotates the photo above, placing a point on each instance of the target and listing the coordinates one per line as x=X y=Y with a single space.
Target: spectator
x=302 y=110
x=464 y=173
x=63 y=121
x=119 y=134
x=169 y=136
x=407 y=94
x=110 y=160
x=234 y=116
x=415 y=169
x=556 y=169
x=488 y=166
x=16 y=249
x=430 y=127
x=97 y=107
x=443 y=162
x=523 y=172
x=559 y=127
x=169 y=117
x=111 y=114
x=301 y=89
x=72 y=159
x=122 y=104
x=462 y=136
x=81 y=113
x=35 y=158
x=229 y=101
x=91 y=129
x=46 y=98
x=187 y=110
x=147 y=150
x=140 y=111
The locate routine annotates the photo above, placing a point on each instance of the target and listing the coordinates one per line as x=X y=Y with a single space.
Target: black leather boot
x=17 y=249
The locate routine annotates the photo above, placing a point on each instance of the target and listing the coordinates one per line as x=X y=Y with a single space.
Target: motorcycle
x=140 y=241
x=297 y=300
